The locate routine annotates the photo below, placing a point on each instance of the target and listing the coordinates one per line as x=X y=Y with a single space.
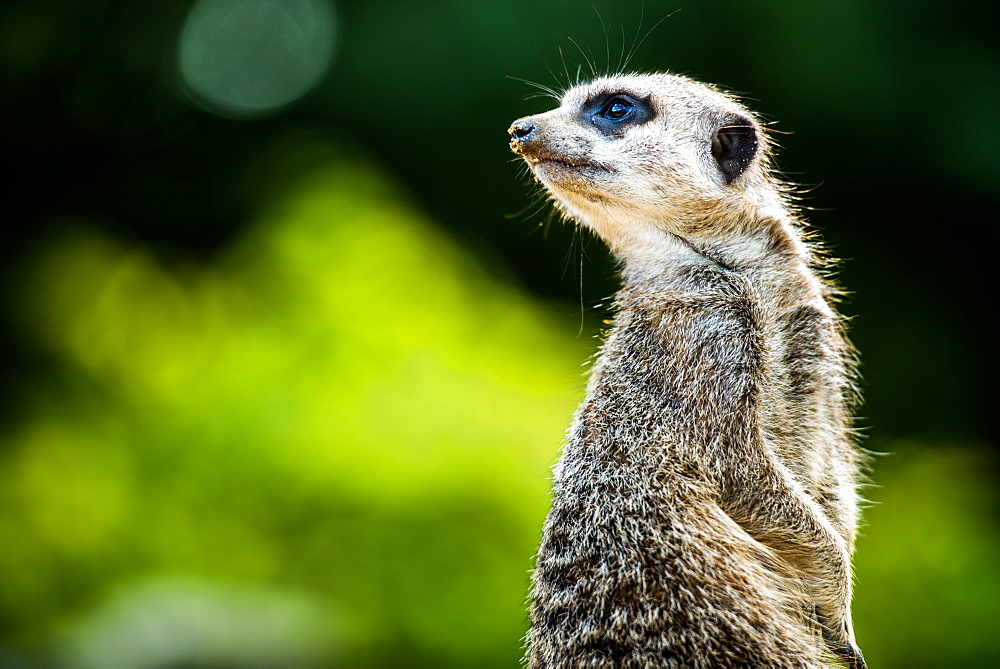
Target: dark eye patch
x=612 y=113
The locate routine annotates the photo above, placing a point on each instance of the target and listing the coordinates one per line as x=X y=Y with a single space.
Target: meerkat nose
x=521 y=133
x=521 y=129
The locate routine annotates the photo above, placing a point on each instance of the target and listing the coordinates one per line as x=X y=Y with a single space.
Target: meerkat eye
x=618 y=109
x=615 y=113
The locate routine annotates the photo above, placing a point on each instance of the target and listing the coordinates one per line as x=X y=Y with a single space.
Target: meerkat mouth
x=541 y=162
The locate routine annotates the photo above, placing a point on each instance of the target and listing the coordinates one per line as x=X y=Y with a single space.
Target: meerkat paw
x=851 y=655
x=839 y=640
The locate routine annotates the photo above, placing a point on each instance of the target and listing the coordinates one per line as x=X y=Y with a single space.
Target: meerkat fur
x=705 y=504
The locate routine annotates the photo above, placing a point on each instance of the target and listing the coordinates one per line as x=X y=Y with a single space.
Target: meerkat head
x=650 y=160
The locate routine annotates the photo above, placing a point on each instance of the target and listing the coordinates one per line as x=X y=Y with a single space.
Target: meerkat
x=706 y=500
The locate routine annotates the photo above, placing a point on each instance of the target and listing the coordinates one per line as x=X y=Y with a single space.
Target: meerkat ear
x=733 y=146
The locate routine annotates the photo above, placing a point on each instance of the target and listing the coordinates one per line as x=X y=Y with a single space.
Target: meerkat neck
x=770 y=244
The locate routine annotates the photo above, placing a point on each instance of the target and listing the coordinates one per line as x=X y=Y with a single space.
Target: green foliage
x=341 y=407
x=928 y=587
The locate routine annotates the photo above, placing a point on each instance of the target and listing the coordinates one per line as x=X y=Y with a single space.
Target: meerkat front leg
x=780 y=515
x=710 y=347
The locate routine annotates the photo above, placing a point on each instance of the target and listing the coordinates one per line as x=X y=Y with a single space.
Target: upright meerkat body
x=705 y=505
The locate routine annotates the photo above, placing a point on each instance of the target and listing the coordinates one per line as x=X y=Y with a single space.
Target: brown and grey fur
x=705 y=504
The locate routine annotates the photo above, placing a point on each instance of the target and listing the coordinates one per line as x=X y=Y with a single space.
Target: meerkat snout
x=547 y=148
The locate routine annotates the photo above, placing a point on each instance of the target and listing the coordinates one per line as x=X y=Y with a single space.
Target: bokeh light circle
x=249 y=59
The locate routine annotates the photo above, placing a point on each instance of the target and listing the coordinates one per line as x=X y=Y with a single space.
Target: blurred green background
x=288 y=351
